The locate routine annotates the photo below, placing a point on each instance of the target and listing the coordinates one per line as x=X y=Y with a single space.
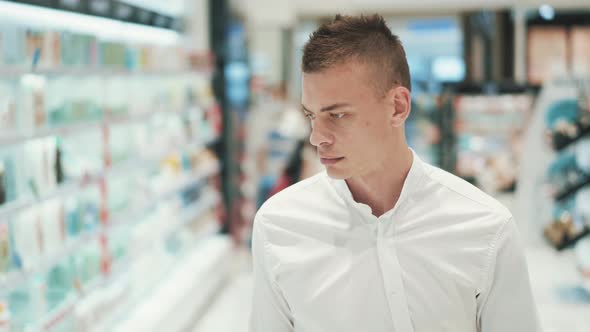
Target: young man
x=380 y=241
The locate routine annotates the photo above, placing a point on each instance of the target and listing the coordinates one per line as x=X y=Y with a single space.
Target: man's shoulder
x=457 y=189
x=301 y=195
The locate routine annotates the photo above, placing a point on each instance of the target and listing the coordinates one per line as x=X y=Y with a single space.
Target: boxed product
x=8 y=107
x=14 y=37
x=4 y=248
x=51 y=51
x=547 y=53
x=580 y=48
x=33 y=47
x=8 y=176
x=28 y=238
x=31 y=96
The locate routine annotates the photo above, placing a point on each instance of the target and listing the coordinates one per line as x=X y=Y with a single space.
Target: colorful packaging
x=4 y=248
x=7 y=107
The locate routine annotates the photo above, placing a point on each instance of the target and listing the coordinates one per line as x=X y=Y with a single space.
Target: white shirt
x=446 y=258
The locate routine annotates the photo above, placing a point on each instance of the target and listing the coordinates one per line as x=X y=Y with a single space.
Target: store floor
x=563 y=305
x=554 y=278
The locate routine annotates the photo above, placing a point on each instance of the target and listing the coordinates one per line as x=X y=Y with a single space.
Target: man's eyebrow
x=327 y=108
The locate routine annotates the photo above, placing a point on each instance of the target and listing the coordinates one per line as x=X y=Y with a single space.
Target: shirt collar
x=412 y=181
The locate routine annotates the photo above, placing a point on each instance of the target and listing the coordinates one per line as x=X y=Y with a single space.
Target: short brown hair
x=363 y=38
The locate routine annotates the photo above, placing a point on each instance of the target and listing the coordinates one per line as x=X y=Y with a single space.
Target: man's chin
x=337 y=174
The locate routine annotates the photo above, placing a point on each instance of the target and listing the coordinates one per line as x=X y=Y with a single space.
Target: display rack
x=564 y=112
x=487 y=125
x=568 y=124
x=105 y=158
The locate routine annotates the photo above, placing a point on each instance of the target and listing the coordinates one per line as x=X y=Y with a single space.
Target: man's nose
x=320 y=135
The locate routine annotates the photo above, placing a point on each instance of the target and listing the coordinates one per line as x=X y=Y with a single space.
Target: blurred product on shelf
x=49 y=49
x=582 y=251
x=104 y=174
x=567 y=121
x=423 y=131
x=488 y=130
x=547 y=52
x=302 y=163
x=44 y=240
x=273 y=126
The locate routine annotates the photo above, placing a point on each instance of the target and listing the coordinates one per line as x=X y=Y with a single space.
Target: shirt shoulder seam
x=489 y=268
x=499 y=211
x=300 y=186
x=265 y=246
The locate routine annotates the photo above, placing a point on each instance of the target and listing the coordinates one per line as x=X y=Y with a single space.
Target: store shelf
x=560 y=142
x=8 y=138
x=74 y=186
x=101 y=72
x=69 y=305
x=188 y=288
x=74 y=300
x=68 y=188
x=107 y=322
x=188 y=179
x=57 y=315
x=572 y=190
x=64 y=189
x=571 y=242
x=13 y=279
x=586 y=284
x=188 y=215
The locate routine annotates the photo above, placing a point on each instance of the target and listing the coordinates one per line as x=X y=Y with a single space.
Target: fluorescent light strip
x=103 y=28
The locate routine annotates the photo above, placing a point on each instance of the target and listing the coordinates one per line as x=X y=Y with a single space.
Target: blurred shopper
x=302 y=164
x=381 y=241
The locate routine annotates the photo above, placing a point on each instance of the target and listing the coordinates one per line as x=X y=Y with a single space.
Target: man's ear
x=401 y=101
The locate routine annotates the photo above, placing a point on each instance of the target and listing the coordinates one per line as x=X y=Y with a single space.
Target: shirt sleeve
x=270 y=311
x=506 y=303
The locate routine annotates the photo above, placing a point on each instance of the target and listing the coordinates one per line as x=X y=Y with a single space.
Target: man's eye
x=309 y=115
x=337 y=116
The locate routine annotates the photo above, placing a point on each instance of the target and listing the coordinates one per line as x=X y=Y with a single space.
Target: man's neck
x=381 y=189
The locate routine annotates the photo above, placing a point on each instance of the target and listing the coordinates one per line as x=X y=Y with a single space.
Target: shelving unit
x=487 y=125
x=73 y=186
x=562 y=195
x=127 y=173
x=16 y=138
x=13 y=279
x=76 y=300
x=561 y=142
x=566 y=112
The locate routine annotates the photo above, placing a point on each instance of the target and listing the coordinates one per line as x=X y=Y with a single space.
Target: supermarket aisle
x=562 y=304
x=554 y=278
x=231 y=309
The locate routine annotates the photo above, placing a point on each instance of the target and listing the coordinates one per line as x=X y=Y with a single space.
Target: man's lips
x=330 y=160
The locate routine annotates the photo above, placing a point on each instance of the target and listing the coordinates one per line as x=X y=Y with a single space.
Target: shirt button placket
x=391 y=271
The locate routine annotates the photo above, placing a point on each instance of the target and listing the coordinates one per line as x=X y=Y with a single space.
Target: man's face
x=351 y=123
